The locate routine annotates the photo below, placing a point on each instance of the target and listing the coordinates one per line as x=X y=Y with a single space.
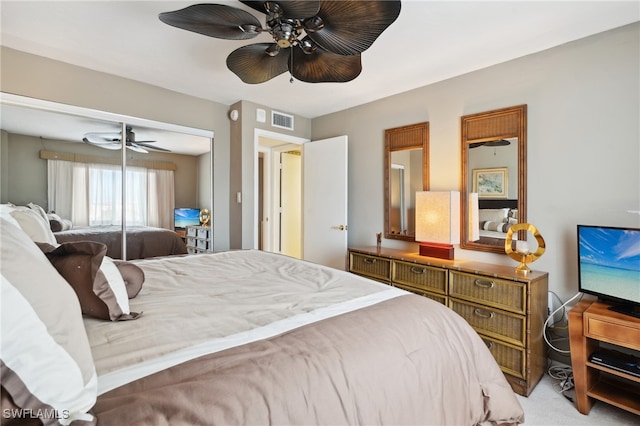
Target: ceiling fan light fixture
x=311 y=25
x=308 y=46
x=272 y=50
x=248 y=28
x=285 y=34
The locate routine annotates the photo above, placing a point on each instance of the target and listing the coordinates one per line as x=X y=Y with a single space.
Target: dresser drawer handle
x=483 y=313
x=489 y=344
x=484 y=283
x=369 y=260
x=417 y=270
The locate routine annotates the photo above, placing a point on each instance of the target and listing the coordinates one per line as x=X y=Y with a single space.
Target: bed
x=238 y=337
x=495 y=217
x=142 y=241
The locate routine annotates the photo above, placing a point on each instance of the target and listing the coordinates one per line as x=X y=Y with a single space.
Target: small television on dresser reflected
x=609 y=266
x=185 y=216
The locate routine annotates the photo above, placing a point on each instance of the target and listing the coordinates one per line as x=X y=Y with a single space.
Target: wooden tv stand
x=591 y=323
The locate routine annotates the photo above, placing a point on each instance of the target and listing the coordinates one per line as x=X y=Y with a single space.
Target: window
x=91 y=194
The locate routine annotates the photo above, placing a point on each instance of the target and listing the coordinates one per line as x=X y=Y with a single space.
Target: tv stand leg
x=581 y=348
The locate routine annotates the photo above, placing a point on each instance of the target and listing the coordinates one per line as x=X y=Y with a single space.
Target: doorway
x=278 y=223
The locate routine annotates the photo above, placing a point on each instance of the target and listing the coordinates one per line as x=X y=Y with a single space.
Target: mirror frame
x=496 y=124
x=414 y=136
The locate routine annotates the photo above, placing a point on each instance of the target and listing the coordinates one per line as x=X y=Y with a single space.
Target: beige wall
x=243 y=165
x=583 y=142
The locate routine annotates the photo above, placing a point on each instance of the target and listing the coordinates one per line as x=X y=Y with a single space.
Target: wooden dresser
x=507 y=309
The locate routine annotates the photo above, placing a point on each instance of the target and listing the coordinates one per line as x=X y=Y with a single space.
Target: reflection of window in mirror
x=406 y=172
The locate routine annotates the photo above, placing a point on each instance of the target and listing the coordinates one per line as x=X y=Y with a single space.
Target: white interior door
x=324 y=175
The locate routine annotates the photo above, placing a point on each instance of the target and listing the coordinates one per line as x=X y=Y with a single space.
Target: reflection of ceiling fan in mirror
x=316 y=41
x=113 y=141
x=499 y=142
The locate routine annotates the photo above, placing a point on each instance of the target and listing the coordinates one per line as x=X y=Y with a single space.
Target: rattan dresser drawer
x=511 y=359
x=495 y=323
x=440 y=298
x=375 y=267
x=419 y=277
x=490 y=291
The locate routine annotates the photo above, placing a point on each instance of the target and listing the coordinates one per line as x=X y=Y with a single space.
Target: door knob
x=340 y=227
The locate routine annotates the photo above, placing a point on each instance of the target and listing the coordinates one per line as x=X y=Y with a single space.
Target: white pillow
x=5 y=213
x=34 y=226
x=493 y=215
x=116 y=284
x=39 y=210
x=45 y=353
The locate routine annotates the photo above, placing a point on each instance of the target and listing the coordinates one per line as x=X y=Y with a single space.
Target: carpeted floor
x=546 y=406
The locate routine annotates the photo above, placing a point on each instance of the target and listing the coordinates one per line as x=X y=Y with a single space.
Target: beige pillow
x=46 y=358
x=492 y=215
x=34 y=226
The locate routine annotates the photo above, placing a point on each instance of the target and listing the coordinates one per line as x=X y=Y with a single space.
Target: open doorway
x=279 y=193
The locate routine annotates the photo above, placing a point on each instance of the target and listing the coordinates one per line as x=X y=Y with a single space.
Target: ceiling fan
x=113 y=140
x=498 y=142
x=316 y=41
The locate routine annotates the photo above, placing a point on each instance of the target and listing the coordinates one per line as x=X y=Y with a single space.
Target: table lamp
x=438 y=223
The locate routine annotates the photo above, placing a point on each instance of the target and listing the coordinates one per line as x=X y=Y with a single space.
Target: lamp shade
x=474 y=217
x=438 y=217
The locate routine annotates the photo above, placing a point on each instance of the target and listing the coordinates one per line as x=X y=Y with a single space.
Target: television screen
x=609 y=262
x=184 y=217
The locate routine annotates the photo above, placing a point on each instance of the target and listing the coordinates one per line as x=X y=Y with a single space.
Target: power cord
x=550 y=317
x=564 y=377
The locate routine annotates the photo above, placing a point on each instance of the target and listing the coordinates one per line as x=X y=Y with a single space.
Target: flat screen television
x=185 y=216
x=609 y=266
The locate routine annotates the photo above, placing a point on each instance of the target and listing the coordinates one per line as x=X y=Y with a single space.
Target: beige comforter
x=314 y=346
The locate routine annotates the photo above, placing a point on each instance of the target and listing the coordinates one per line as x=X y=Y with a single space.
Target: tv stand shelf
x=591 y=323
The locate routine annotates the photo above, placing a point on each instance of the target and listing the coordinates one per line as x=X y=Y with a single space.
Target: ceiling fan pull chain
x=291 y=68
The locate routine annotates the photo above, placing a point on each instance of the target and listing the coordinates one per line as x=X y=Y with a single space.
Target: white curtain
x=160 y=198
x=91 y=194
x=68 y=190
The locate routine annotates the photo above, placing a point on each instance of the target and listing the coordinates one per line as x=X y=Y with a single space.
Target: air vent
x=281 y=120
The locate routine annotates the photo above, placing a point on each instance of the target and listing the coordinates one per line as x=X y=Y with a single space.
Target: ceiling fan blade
x=252 y=64
x=351 y=27
x=102 y=137
x=214 y=20
x=137 y=148
x=322 y=66
x=290 y=9
x=156 y=148
x=498 y=142
x=106 y=145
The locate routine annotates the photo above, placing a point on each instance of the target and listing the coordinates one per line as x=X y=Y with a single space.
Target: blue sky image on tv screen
x=186 y=217
x=610 y=261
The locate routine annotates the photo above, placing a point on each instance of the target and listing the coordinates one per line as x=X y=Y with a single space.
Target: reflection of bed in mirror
x=142 y=241
x=495 y=218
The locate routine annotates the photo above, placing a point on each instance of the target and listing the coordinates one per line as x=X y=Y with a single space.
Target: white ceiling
x=430 y=41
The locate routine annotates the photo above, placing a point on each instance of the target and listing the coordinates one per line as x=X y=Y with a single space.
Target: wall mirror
x=494 y=165
x=406 y=170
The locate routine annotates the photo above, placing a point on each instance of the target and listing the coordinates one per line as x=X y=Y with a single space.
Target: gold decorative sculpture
x=205 y=216
x=522 y=253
